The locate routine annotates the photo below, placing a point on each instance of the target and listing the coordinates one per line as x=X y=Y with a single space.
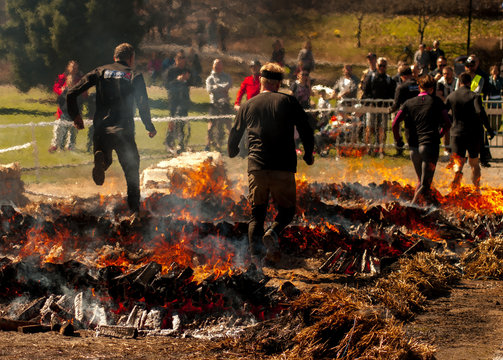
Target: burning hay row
x=184 y=268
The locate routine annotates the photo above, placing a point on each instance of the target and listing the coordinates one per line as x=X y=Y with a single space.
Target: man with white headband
x=270 y=118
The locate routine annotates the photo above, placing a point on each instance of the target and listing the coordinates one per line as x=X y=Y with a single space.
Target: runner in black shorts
x=469 y=117
x=424 y=116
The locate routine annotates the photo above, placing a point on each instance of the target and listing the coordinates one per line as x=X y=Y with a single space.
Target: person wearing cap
x=250 y=85
x=424 y=115
x=478 y=81
x=270 y=118
x=469 y=119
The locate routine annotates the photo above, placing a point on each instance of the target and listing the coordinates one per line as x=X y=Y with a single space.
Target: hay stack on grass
x=485 y=261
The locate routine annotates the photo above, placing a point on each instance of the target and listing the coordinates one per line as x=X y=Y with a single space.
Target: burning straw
x=344 y=324
x=486 y=260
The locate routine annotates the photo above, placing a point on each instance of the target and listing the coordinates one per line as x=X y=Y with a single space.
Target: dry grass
x=485 y=261
x=404 y=292
x=348 y=323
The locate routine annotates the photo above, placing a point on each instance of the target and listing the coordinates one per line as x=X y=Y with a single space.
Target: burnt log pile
x=121 y=303
x=88 y=265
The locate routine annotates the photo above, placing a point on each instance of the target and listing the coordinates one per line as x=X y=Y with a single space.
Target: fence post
x=35 y=153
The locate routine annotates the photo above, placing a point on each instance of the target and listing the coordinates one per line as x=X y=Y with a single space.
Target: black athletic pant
x=125 y=146
x=425 y=159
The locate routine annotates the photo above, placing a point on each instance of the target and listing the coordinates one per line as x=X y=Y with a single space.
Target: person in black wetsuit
x=469 y=120
x=118 y=88
x=407 y=89
x=424 y=115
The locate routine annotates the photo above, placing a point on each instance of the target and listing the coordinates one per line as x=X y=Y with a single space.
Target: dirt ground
x=467 y=324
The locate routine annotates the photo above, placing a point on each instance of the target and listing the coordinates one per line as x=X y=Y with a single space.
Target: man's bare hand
x=78 y=122
x=151 y=134
x=236 y=107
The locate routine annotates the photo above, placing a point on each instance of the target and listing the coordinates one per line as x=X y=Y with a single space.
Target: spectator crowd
x=380 y=94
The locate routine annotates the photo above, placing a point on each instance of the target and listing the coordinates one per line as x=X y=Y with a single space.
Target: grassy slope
x=333 y=36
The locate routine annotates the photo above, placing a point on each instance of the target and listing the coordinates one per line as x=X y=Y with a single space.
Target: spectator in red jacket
x=72 y=68
x=250 y=85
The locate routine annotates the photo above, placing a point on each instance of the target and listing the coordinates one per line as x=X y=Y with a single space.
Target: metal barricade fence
x=351 y=127
x=353 y=121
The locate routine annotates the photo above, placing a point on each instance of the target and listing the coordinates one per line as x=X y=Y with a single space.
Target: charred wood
x=33 y=329
x=121 y=332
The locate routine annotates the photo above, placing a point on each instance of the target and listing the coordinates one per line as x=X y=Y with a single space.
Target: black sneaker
x=99 y=168
x=485 y=164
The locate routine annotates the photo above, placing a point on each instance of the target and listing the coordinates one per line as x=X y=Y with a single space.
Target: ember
x=171 y=272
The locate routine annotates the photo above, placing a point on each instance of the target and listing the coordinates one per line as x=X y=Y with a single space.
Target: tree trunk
x=359 y=17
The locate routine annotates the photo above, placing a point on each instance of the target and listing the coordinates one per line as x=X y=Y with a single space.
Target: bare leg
x=459 y=162
x=475 y=165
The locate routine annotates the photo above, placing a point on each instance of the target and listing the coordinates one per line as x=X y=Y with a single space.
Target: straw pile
x=333 y=324
x=485 y=261
x=350 y=323
x=11 y=185
x=404 y=292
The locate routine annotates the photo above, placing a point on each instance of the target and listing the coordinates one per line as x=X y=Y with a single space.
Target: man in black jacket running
x=118 y=87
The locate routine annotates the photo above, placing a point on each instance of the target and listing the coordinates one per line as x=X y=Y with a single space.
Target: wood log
x=330 y=261
x=13 y=325
x=67 y=329
x=33 y=329
x=121 y=332
x=31 y=310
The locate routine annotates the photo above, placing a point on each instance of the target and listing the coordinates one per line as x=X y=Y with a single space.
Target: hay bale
x=11 y=185
x=190 y=175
